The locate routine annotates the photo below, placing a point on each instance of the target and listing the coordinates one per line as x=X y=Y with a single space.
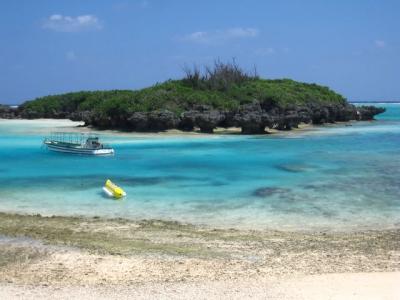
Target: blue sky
x=50 y=47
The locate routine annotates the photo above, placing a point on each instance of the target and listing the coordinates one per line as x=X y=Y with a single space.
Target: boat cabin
x=93 y=143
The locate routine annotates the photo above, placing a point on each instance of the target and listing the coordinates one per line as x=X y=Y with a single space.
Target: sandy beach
x=45 y=126
x=93 y=258
x=355 y=286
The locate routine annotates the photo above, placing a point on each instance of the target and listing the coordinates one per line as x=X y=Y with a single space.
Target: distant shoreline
x=375 y=102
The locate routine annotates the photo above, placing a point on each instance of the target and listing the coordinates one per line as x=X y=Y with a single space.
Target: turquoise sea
x=334 y=177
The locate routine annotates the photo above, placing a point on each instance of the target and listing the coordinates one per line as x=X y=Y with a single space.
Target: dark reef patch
x=270 y=191
x=294 y=168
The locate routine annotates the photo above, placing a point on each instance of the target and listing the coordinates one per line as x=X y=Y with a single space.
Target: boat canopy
x=72 y=137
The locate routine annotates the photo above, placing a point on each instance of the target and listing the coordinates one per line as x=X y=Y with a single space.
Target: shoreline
x=95 y=252
x=300 y=228
x=95 y=258
x=76 y=126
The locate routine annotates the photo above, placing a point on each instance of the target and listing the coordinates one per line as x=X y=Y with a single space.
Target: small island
x=223 y=95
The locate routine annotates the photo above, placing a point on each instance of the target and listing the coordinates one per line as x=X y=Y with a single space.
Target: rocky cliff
x=252 y=118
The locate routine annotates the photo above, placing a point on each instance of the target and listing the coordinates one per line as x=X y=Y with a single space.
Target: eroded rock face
x=250 y=118
x=84 y=116
x=138 y=121
x=366 y=113
x=204 y=117
x=7 y=112
x=162 y=120
x=253 y=117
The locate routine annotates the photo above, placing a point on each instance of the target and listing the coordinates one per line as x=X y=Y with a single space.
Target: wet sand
x=98 y=258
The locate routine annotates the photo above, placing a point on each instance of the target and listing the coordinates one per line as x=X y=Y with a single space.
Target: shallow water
x=335 y=177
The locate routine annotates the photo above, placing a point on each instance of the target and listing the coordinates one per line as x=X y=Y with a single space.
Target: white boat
x=86 y=144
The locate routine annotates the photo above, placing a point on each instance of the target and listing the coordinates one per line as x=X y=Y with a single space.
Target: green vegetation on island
x=220 y=96
x=225 y=86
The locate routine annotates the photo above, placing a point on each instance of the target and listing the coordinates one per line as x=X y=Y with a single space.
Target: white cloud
x=380 y=44
x=220 y=36
x=70 y=55
x=62 y=23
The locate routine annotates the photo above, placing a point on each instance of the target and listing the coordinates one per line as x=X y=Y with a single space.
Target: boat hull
x=82 y=151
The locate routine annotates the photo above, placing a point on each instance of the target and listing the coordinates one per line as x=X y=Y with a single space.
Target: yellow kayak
x=113 y=190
